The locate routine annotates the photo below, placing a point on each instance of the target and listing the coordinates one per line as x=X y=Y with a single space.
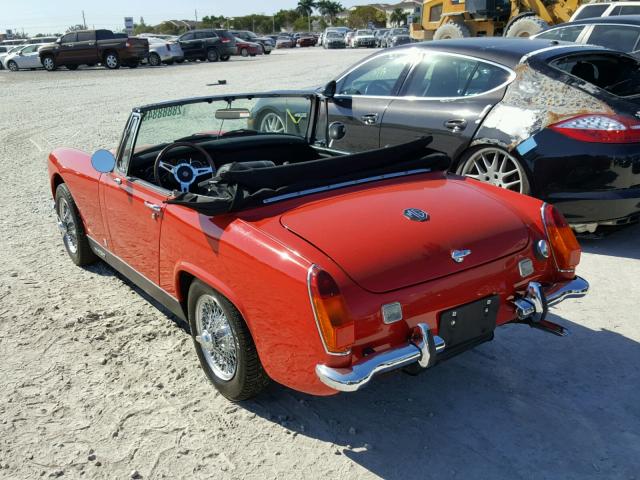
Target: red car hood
x=368 y=235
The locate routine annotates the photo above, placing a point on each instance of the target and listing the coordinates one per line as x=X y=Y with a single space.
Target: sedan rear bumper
x=424 y=347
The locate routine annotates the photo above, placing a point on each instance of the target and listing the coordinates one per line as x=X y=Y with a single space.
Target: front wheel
x=49 y=63
x=224 y=344
x=497 y=167
x=13 y=66
x=112 y=61
x=271 y=122
x=154 y=59
x=212 y=55
x=70 y=225
x=244 y=52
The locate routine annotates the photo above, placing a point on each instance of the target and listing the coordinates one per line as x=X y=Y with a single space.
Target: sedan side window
x=186 y=37
x=566 y=34
x=591 y=11
x=626 y=10
x=377 y=77
x=617 y=37
x=69 y=38
x=447 y=76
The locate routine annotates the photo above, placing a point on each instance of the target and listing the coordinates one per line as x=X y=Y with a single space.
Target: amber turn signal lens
x=564 y=245
x=330 y=310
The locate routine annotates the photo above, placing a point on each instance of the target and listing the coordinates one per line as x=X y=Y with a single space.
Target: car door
x=85 y=49
x=28 y=57
x=132 y=210
x=65 y=48
x=188 y=44
x=445 y=96
x=363 y=94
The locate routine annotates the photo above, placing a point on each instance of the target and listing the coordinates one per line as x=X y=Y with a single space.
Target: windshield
x=364 y=32
x=190 y=121
x=333 y=35
x=399 y=31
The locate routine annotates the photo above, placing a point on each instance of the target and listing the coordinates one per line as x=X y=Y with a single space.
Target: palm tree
x=305 y=7
x=330 y=9
x=398 y=17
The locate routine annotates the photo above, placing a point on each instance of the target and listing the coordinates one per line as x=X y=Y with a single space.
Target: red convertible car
x=296 y=263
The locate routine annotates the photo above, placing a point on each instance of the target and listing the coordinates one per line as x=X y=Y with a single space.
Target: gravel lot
x=97 y=382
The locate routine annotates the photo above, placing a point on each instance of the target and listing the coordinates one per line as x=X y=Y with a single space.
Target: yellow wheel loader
x=477 y=18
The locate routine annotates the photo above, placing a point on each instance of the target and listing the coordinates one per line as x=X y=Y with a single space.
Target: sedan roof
x=506 y=51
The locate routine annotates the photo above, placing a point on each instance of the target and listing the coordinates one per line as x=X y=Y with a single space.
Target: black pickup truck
x=211 y=45
x=90 y=47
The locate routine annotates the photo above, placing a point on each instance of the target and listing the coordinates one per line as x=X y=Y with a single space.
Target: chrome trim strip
x=312 y=268
x=351 y=183
x=554 y=47
x=576 y=288
x=358 y=375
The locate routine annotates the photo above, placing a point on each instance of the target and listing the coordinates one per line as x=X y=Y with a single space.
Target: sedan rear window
x=616 y=37
x=591 y=11
x=616 y=74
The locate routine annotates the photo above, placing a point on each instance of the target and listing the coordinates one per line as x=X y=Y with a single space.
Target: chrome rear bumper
x=422 y=350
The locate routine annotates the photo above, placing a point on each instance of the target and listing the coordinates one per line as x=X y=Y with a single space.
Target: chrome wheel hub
x=272 y=123
x=67 y=226
x=111 y=61
x=494 y=166
x=216 y=338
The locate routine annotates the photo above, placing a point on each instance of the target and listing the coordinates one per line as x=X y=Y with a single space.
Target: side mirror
x=337 y=131
x=103 y=161
x=330 y=89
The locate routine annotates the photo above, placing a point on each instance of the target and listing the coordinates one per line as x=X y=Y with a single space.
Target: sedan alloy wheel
x=272 y=123
x=13 y=66
x=497 y=167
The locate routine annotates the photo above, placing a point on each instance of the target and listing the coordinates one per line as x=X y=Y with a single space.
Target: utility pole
x=273 y=17
x=84 y=21
x=196 y=18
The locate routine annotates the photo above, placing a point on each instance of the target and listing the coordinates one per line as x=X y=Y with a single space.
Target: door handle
x=456 y=125
x=369 y=118
x=153 y=206
x=117 y=180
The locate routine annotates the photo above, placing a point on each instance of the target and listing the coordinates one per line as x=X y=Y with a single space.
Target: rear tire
x=495 y=166
x=111 y=60
x=526 y=27
x=49 y=63
x=154 y=59
x=212 y=55
x=244 y=52
x=224 y=344
x=70 y=223
x=451 y=30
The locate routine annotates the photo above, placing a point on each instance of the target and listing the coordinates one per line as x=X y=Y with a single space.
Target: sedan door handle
x=117 y=180
x=153 y=206
x=456 y=125
x=370 y=118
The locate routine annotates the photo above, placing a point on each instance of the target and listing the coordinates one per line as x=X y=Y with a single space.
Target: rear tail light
x=128 y=44
x=600 y=128
x=334 y=323
x=564 y=246
x=226 y=40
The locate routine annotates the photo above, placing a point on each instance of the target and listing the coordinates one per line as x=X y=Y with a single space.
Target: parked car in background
x=26 y=57
x=305 y=40
x=285 y=41
x=606 y=9
x=397 y=36
x=164 y=51
x=379 y=34
x=363 y=38
x=248 y=49
x=208 y=44
x=270 y=260
x=618 y=33
x=5 y=50
x=334 y=40
x=573 y=140
x=348 y=37
x=267 y=42
x=90 y=47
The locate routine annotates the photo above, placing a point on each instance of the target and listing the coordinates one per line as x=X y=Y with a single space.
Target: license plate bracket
x=470 y=321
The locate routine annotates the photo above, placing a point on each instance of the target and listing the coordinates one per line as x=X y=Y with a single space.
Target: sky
x=51 y=16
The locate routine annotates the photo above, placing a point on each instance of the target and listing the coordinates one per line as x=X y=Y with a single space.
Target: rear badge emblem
x=458 y=256
x=416 y=215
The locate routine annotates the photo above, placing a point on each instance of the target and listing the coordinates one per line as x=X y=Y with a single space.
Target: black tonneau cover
x=237 y=187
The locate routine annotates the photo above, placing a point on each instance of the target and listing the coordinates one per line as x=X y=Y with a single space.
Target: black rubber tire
x=244 y=52
x=115 y=65
x=83 y=254
x=213 y=55
x=451 y=30
x=49 y=66
x=13 y=66
x=154 y=59
x=250 y=378
x=526 y=27
x=526 y=182
x=72 y=67
x=265 y=52
x=225 y=58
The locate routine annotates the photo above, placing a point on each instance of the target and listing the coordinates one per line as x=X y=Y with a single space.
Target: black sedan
x=621 y=32
x=557 y=121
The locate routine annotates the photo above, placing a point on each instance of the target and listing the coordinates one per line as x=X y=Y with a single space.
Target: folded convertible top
x=239 y=187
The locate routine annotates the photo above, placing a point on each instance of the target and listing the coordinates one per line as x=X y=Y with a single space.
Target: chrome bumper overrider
x=531 y=309
x=422 y=350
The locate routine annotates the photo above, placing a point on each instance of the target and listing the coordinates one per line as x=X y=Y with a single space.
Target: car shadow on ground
x=527 y=405
x=622 y=242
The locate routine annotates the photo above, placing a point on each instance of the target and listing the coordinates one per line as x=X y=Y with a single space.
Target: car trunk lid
x=369 y=234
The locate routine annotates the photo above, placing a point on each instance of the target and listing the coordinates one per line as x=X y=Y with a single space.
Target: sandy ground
x=97 y=382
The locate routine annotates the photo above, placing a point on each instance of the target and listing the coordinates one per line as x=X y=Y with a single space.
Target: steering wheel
x=184 y=173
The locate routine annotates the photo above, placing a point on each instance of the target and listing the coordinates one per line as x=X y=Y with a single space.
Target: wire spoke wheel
x=67 y=226
x=497 y=167
x=216 y=337
x=272 y=123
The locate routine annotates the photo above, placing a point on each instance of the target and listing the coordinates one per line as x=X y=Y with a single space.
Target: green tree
x=398 y=17
x=75 y=28
x=329 y=10
x=360 y=17
x=305 y=7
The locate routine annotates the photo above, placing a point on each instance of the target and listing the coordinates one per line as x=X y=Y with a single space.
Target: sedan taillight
x=334 y=323
x=564 y=245
x=598 y=128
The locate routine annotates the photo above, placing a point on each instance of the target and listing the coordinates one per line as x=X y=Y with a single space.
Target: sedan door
x=29 y=57
x=66 y=49
x=189 y=45
x=362 y=96
x=446 y=96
